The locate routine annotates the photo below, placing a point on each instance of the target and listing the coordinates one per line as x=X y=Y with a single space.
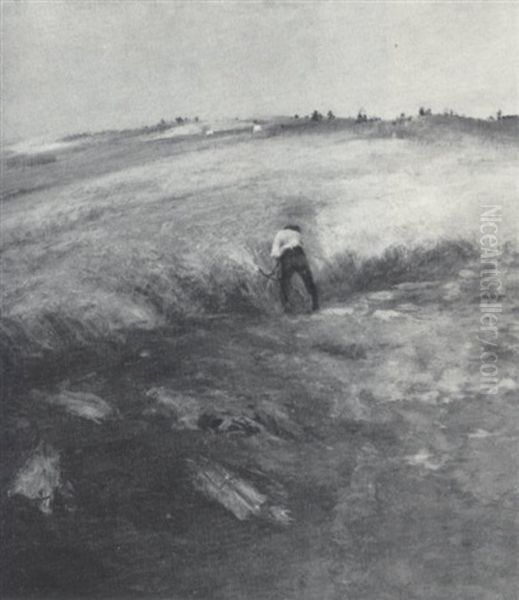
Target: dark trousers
x=293 y=261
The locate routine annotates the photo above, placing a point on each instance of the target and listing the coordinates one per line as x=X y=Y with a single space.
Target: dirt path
x=347 y=454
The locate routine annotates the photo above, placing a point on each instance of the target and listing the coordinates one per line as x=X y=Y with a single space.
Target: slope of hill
x=126 y=232
x=167 y=432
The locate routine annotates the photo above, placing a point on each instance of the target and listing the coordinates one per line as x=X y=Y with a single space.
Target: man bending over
x=288 y=250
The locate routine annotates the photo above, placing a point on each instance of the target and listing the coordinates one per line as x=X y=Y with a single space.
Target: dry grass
x=182 y=233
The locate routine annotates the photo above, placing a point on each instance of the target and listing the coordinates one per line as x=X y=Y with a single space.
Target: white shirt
x=285 y=239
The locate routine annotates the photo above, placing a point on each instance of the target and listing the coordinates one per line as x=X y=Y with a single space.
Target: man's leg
x=284 y=283
x=308 y=280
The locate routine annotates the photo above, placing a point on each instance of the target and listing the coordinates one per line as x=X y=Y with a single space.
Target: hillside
x=168 y=432
x=125 y=231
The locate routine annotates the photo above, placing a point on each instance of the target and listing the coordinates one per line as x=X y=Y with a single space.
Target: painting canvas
x=260 y=288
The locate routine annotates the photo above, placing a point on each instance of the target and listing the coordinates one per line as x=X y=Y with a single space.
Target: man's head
x=293 y=228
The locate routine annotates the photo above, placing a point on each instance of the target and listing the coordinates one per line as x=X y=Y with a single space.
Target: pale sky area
x=89 y=65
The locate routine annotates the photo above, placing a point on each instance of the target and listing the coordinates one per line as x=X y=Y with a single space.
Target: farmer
x=287 y=249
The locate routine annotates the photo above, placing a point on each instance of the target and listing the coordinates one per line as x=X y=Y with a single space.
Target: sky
x=86 y=65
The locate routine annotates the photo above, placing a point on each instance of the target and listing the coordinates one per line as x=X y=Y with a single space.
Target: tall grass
x=182 y=236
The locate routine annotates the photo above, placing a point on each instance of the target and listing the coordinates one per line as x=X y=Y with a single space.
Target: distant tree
x=330 y=116
x=179 y=120
x=402 y=116
x=296 y=116
x=361 y=116
x=316 y=116
x=499 y=115
x=421 y=111
x=197 y=119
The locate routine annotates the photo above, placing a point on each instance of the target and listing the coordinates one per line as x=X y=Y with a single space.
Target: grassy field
x=149 y=229
x=146 y=359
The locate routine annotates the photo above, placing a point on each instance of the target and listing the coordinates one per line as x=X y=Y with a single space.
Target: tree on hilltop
x=361 y=116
